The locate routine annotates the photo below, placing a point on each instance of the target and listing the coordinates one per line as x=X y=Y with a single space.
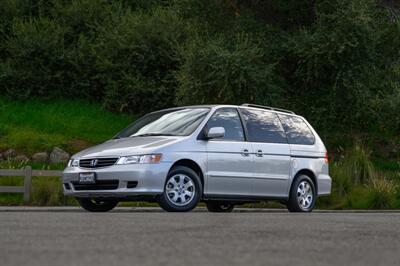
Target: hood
x=126 y=146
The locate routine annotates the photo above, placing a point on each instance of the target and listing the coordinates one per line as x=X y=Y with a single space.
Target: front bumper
x=150 y=180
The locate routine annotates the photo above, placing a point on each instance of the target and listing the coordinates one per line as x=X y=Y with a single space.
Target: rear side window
x=263 y=126
x=229 y=119
x=297 y=131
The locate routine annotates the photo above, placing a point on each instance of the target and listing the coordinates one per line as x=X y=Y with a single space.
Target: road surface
x=73 y=237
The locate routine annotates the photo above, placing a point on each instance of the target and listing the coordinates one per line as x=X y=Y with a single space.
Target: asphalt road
x=198 y=238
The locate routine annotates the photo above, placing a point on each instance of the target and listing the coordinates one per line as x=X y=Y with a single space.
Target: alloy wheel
x=305 y=195
x=180 y=190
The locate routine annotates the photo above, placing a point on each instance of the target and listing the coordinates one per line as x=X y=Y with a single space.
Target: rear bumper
x=150 y=180
x=324 y=185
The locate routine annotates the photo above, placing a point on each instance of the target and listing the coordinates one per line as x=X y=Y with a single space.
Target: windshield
x=176 y=122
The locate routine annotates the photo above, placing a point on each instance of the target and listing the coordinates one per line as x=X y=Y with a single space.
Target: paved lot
x=126 y=237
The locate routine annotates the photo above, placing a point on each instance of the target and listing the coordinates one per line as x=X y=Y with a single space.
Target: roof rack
x=268 y=108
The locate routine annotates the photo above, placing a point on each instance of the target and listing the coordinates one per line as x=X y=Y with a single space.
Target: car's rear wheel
x=302 y=195
x=218 y=206
x=97 y=205
x=182 y=190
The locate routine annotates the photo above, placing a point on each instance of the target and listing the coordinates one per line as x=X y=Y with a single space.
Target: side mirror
x=215 y=133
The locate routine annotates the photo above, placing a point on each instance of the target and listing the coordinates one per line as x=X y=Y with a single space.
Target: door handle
x=259 y=153
x=245 y=152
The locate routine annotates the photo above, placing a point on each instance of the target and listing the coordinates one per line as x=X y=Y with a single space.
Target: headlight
x=148 y=158
x=73 y=163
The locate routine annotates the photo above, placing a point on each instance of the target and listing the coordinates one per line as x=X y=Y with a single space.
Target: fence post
x=27 y=183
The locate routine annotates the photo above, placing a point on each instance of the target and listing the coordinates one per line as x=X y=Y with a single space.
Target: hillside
x=36 y=125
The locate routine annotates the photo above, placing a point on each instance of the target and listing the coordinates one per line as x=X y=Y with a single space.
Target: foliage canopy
x=334 y=61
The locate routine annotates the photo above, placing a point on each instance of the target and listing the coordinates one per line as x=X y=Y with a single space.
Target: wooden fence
x=27 y=173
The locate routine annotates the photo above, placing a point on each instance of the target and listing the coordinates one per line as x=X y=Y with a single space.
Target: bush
x=135 y=56
x=4 y=130
x=337 y=64
x=9 y=10
x=83 y=17
x=341 y=178
x=47 y=192
x=387 y=106
x=82 y=20
x=357 y=185
x=354 y=168
x=224 y=70
x=36 y=63
x=381 y=193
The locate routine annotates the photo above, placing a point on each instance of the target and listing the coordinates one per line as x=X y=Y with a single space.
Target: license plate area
x=87 y=178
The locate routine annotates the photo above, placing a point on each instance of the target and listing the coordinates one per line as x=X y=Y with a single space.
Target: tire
x=182 y=190
x=218 y=206
x=302 y=195
x=93 y=205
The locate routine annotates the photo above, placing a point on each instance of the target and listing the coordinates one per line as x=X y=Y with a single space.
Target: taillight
x=326 y=157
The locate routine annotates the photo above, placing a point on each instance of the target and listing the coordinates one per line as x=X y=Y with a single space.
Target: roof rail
x=268 y=108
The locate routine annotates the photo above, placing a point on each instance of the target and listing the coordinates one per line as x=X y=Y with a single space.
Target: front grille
x=99 y=185
x=97 y=162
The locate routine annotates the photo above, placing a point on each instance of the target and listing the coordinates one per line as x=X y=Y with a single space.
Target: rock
x=21 y=158
x=59 y=156
x=40 y=157
x=9 y=154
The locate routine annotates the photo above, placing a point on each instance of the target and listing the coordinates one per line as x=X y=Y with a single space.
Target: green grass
x=36 y=125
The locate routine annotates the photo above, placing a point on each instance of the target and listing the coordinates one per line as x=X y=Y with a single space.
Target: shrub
x=381 y=193
x=387 y=108
x=288 y=14
x=336 y=65
x=4 y=131
x=341 y=177
x=224 y=70
x=82 y=17
x=357 y=199
x=348 y=176
x=135 y=57
x=10 y=10
x=47 y=192
x=36 y=63
x=357 y=185
x=354 y=168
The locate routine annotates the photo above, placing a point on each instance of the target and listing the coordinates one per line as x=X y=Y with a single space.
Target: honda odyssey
x=223 y=155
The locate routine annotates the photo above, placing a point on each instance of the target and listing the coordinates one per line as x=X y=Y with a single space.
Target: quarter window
x=263 y=126
x=229 y=119
x=297 y=131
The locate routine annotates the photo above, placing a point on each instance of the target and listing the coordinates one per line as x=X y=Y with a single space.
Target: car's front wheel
x=97 y=205
x=182 y=190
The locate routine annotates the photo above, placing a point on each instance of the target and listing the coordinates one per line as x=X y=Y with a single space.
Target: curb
x=159 y=210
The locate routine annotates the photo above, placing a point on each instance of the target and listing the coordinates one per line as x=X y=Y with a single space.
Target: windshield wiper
x=153 y=134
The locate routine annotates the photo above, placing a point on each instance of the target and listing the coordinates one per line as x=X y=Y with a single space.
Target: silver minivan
x=223 y=155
